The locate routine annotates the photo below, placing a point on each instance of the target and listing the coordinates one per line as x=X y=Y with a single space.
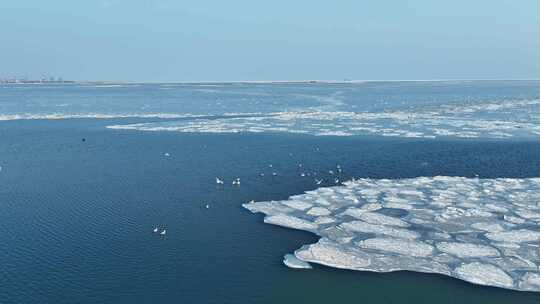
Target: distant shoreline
x=119 y=82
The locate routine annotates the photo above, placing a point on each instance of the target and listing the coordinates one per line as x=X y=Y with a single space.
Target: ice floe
x=396 y=245
x=484 y=231
x=515 y=236
x=484 y=119
x=293 y=262
x=484 y=274
x=466 y=250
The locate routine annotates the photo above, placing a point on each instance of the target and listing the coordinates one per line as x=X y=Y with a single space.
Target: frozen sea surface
x=485 y=119
x=456 y=109
x=484 y=231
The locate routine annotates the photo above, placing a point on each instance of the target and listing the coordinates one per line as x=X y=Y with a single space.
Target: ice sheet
x=484 y=231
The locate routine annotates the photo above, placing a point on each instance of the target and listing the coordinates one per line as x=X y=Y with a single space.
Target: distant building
x=25 y=79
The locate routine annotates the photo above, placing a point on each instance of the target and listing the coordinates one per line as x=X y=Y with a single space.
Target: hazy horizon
x=271 y=81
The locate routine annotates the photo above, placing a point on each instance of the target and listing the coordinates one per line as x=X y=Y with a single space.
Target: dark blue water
x=76 y=216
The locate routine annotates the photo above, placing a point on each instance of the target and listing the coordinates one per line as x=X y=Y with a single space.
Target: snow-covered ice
x=400 y=246
x=467 y=250
x=484 y=274
x=293 y=262
x=484 y=231
x=483 y=119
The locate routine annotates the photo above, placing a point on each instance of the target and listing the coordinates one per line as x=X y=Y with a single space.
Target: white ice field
x=484 y=231
x=480 y=119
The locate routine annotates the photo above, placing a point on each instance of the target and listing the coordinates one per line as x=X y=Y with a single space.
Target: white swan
x=163 y=232
x=155 y=230
x=219 y=181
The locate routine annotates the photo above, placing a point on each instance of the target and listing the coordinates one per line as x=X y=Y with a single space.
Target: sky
x=204 y=40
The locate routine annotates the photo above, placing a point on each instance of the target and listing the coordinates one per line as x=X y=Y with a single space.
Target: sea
x=88 y=170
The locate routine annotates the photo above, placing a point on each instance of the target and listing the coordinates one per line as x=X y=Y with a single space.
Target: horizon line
x=304 y=81
x=322 y=81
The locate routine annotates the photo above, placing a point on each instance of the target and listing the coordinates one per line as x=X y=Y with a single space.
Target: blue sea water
x=78 y=200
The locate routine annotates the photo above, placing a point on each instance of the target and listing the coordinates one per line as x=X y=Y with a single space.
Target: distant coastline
x=41 y=81
x=218 y=82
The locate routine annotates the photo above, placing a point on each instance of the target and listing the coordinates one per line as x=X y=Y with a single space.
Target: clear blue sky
x=168 y=40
